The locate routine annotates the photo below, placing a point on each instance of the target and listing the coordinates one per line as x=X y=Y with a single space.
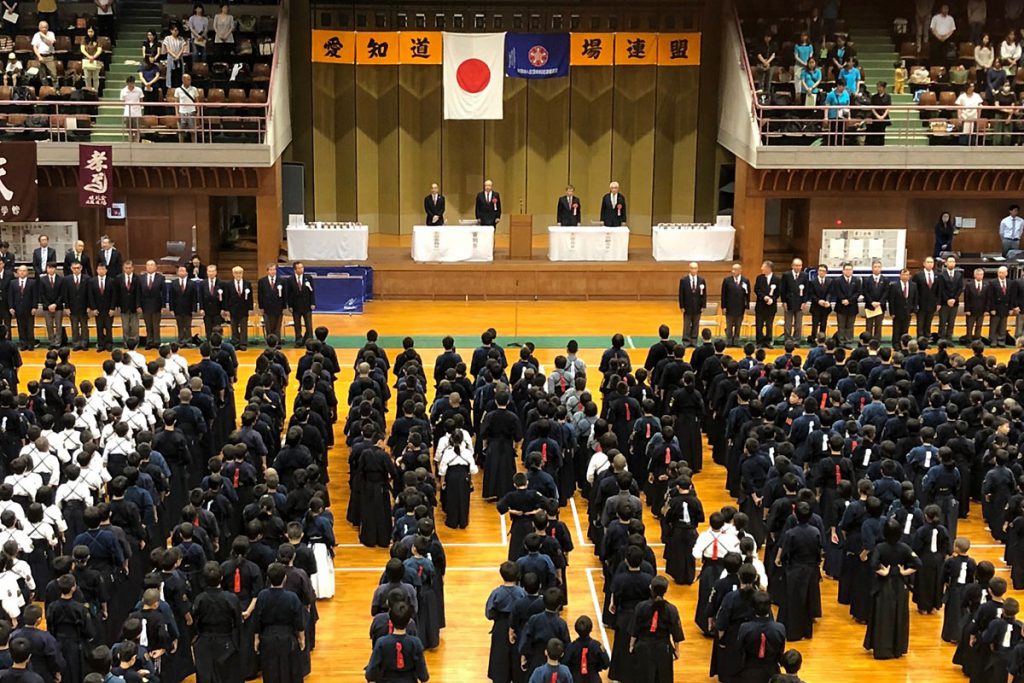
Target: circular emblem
x=538 y=56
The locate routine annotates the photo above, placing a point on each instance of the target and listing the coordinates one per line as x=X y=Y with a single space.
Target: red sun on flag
x=473 y=75
x=538 y=56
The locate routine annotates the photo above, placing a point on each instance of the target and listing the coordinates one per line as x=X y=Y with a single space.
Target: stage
x=397 y=276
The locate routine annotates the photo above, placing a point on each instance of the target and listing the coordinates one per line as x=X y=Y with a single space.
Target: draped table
x=583 y=243
x=452 y=243
x=328 y=242
x=692 y=242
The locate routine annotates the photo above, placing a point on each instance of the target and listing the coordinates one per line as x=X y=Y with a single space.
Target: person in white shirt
x=1010 y=229
x=174 y=48
x=187 y=96
x=12 y=70
x=42 y=45
x=24 y=482
x=942 y=28
x=132 y=99
x=968 y=101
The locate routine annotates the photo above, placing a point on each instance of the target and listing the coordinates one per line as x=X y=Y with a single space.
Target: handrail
x=745 y=61
x=275 y=60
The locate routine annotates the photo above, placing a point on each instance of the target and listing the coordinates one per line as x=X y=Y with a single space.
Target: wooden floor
x=835 y=654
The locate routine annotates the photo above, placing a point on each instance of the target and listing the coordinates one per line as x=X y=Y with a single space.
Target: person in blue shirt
x=811 y=79
x=552 y=671
x=802 y=52
x=836 y=112
x=851 y=74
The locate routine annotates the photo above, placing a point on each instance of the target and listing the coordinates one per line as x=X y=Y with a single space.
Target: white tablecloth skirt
x=714 y=243
x=348 y=243
x=452 y=243
x=588 y=243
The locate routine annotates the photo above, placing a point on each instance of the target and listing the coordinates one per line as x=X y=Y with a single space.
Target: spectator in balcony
x=186 y=95
x=977 y=15
x=958 y=77
x=941 y=46
x=922 y=20
x=850 y=74
x=46 y=10
x=812 y=82
x=837 y=111
x=224 y=30
x=198 y=27
x=802 y=52
x=830 y=13
x=149 y=75
x=91 y=64
x=816 y=27
x=1002 y=118
x=10 y=27
x=1012 y=10
x=13 y=70
x=983 y=57
x=879 y=121
x=969 y=102
x=765 y=56
x=920 y=79
x=150 y=46
x=132 y=99
x=945 y=228
x=1009 y=53
x=174 y=48
x=995 y=77
x=105 y=18
x=838 y=56
x=42 y=46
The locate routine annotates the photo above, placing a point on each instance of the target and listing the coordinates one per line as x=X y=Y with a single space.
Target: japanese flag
x=473 y=75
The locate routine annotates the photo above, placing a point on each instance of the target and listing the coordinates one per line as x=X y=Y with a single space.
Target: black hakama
x=888 y=631
x=458 y=484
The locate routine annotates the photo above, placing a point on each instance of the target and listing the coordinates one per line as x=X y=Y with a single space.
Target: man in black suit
x=151 y=303
x=239 y=304
x=76 y=296
x=77 y=255
x=793 y=296
x=182 y=299
x=928 y=293
x=271 y=292
x=569 y=210
x=735 y=301
x=126 y=294
x=1000 y=301
x=433 y=206
x=976 y=303
x=951 y=280
x=300 y=295
x=766 y=303
x=488 y=205
x=693 y=299
x=6 y=276
x=902 y=305
x=819 y=285
x=43 y=255
x=211 y=300
x=613 y=207
x=876 y=293
x=109 y=256
x=845 y=293
x=22 y=300
x=102 y=302
x=51 y=302
x=7 y=256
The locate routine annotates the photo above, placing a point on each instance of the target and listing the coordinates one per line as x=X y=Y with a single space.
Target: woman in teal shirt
x=802 y=52
x=837 y=104
x=811 y=80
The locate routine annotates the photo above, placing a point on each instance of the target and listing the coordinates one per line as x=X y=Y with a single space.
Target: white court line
x=597 y=608
x=629 y=340
x=580 y=538
x=504 y=530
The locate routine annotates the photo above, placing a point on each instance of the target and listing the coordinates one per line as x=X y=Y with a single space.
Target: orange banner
x=678 y=49
x=334 y=47
x=419 y=47
x=636 y=49
x=592 y=49
x=377 y=47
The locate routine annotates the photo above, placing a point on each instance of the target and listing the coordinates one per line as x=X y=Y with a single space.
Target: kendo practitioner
x=540 y=628
x=655 y=632
x=398 y=657
x=70 y=622
x=800 y=554
x=244 y=579
x=47 y=658
x=216 y=630
x=628 y=588
x=20 y=670
x=500 y=431
x=892 y=561
x=520 y=504
x=278 y=623
x=736 y=609
x=762 y=642
x=499 y=610
x=376 y=475
x=682 y=515
x=10 y=360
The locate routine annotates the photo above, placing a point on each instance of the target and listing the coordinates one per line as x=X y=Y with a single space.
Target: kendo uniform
x=216 y=628
x=727 y=659
x=762 y=642
x=525 y=501
x=397 y=658
x=71 y=624
x=501 y=430
x=277 y=620
x=801 y=554
x=244 y=579
x=932 y=544
x=958 y=574
x=685 y=514
x=535 y=636
x=888 y=632
x=586 y=659
x=656 y=627
x=498 y=610
x=47 y=658
x=629 y=589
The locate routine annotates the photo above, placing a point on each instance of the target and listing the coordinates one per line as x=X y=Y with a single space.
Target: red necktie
x=583 y=660
x=238 y=580
x=238 y=286
x=234 y=479
x=839 y=476
x=543 y=454
x=905 y=294
x=654 y=622
x=668 y=456
x=101 y=285
x=760 y=650
x=399 y=659
x=824 y=400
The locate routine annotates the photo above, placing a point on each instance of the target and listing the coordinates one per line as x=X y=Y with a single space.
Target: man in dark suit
x=51 y=302
x=151 y=302
x=109 y=256
x=103 y=301
x=875 y=288
x=488 y=205
x=819 y=284
x=735 y=301
x=951 y=281
x=433 y=206
x=845 y=293
x=126 y=294
x=766 y=303
x=43 y=255
x=300 y=295
x=613 y=207
x=77 y=255
x=182 y=300
x=902 y=305
x=6 y=276
x=927 y=297
x=22 y=301
x=271 y=292
x=693 y=299
x=1000 y=301
x=211 y=300
x=976 y=303
x=569 y=210
x=7 y=256
x=239 y=304
x=76 y=296
x=793 y=295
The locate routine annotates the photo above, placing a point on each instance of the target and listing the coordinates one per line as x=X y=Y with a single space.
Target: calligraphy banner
x=636 y=49
x=334 y=47
x=378 y=48
x=419 y=47
x=19 y=188
x=592 y=49
x=678 y=49
x=95 y=175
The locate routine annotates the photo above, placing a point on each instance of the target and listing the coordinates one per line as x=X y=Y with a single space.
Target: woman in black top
x=945 y=228
x=878 y=120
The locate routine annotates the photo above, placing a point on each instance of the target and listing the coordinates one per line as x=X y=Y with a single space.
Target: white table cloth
x=328 y=242
x=682 y=242
x=452 y=243
x=583 y=243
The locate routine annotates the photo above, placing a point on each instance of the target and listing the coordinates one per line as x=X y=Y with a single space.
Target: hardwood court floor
x=835 y=654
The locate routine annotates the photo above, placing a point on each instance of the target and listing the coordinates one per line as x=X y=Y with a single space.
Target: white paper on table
x=837 y=248
x=876 y=246
x=855 y=249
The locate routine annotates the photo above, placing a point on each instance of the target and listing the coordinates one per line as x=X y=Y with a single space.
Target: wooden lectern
x=520 y=236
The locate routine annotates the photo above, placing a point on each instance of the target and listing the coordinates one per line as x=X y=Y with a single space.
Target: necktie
x=181 y=281
x=211 y=287
x=977 y=286
x=128 y=281
x=22 y=286
x=103 y=284
x=51 y=281
x=929 y=276
x=151 y=280
x=693 y=283
x=905 y=290
x=1002 y=283
x=271 y=283
x=76 y=282
x=238 y=286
